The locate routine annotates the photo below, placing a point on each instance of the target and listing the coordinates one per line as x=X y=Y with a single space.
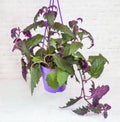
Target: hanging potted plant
x=52 y=50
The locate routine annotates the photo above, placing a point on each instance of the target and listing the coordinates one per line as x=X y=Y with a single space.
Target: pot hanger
x=51 y=3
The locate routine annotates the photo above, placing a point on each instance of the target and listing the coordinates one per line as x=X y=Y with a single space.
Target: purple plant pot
x=45 y=71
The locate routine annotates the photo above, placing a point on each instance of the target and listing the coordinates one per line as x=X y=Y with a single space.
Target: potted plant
x=52 y=50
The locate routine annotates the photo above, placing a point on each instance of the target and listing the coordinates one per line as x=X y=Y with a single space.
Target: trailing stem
x=83 y=95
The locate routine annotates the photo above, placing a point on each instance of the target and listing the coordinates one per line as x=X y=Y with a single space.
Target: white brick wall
x=101 y=18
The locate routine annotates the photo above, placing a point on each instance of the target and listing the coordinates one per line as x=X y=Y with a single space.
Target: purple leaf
x=17 y=40
x=41 y=23
x=105 y=114
x=27 y=34
x=99 y=92
x=92 y=41
x=86 y=67
x=80 y=19
x=42 y=10
x=15 y=32
x=73 y=23
x=24 y=69
x=84 y=64
x=107 y=107
x=16 y=45
x=95 y=101
x=89 y=36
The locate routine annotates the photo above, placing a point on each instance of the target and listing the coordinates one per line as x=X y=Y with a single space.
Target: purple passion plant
x=59 y=46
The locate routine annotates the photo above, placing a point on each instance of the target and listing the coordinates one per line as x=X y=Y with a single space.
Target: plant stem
x=83 y=87
x=77 y=78
x=87 y=79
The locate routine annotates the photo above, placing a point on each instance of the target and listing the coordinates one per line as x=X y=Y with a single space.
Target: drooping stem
x=83 y=87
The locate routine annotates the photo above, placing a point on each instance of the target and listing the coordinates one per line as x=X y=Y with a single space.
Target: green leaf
x=78 y=55
x=52 y=80
x=24 y=69
x=61 y=77
x=50 y=50
x=63 y=28
x=30 y=27
x=71 y=102
x=96 y=110
x=31 y=42
x=53 y=43
x=93 y=58
x=38 y=52
x=81 y=111
x=39 y=13
x=71 y=60
x=35 y=25
x=81 y=34
x=66 y=50
x=35 y=76
x=97 y=65
x=74 y=47
x=50 y=18
x=24 y=49
x=62 y=64
x=66 y=38
x=37 y=59
x=35 y=18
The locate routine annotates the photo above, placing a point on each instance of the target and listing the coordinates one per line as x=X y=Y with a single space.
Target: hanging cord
x=51 y=2
x=60 y=11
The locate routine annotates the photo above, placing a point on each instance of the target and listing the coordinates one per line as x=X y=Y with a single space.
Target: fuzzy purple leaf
x=99 y=92
x=107 y=107
x=27 y=34
x=15 y=32
x=73 y=23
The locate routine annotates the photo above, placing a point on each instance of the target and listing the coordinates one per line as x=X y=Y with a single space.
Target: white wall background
x=101 y=18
